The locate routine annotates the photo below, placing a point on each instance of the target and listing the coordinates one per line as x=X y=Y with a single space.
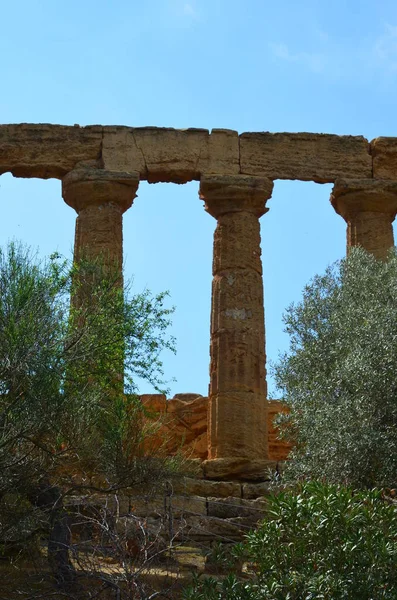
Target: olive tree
x=339 y=376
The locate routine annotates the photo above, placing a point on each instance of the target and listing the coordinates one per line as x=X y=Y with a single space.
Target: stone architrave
x=100 y=198
x=237 y=416
x=369 y=207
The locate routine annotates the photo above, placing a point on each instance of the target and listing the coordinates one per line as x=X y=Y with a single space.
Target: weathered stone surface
x=165 y=154
x=384 y=157
x=224 y=194
x=212 y=528
x=120 y=151
x=161 y=505
x=305 y=156
x=369 y=207
x=239 y=468
x=222 y=153
x=183 y=425
x=237 y=413
x=239 y=425
x=187 y=397
x=206 y=488
x=158 y=153
x=252 y=491
x=193 y=467
x=100 y=198
x=231 y=508
x=156 y=403
x=278 y=449
x=47 y=150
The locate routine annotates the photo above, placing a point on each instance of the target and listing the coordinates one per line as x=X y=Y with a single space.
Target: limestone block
x=222 y=153
x=47 y=150
x=162 y=154
x=384 y=157
x=256 y=490
x=157 y=506
x=148 y=506
x=182 y=505
x=231 y=508
x=175 y=405
x=239 y=468
x=198 y=447
x=305 y=156
x=159 y=153
x=154 y=402
x=210 y=528
x=206 y=488
x=120 y=151
x=193 y=467
x=187 y=397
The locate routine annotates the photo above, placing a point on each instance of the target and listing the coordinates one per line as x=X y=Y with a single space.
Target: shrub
x=339 y=377
x=319 y=541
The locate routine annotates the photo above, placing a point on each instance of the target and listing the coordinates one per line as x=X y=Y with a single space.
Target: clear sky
x=248 y=65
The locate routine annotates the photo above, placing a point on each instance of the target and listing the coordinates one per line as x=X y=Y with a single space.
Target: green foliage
x=69 y=424
x=61 y=397
x=339 y=377
x=320 y=541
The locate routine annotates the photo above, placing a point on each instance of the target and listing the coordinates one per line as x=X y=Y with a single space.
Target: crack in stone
x=146 y=174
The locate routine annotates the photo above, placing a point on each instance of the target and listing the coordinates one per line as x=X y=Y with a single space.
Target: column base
x=239 y=468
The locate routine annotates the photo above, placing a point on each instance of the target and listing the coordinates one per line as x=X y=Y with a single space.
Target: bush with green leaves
x=339 y=377
x=69 y=425
x=318 y=541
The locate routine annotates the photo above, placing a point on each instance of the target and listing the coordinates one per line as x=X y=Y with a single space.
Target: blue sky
x=248 y=65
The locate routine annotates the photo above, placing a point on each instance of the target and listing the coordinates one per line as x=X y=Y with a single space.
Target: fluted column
x=100 y=198
x=369 y=207
x=238 y=404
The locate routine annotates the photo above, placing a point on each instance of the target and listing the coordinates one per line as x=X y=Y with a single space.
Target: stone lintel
x=94 y=187
x=162 y=154
x=47 y=151
x=181 y=155
x=315 y=157
x=384 y=157
x=235 y=193
x=354 y=196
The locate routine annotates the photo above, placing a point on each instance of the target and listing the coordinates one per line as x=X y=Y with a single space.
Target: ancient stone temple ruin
x=101 y=167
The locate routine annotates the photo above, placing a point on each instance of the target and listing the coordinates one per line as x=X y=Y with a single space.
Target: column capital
x=93 y=187
x=235 y=193
x=350 y=197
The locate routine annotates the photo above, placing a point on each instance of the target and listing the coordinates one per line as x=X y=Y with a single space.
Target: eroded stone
x=47 y=151
x=369 y=207
x=384 y=157
x=305 y=156
x=239 y=468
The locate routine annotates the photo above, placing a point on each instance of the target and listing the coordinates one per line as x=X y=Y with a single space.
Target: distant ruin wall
x=182 y=422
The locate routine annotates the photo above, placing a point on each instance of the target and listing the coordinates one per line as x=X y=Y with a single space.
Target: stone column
x=369 y=207
x=100 y=198
x=238 y=393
